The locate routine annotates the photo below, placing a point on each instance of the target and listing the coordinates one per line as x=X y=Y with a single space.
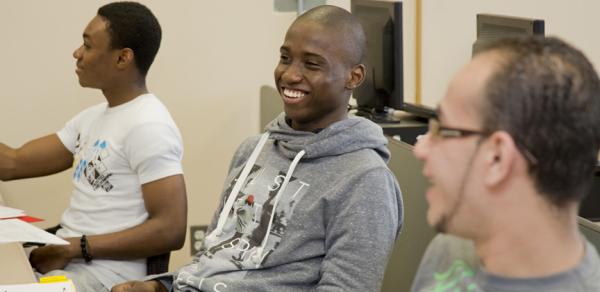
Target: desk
x=407 y=130
x=14 y=264
x=14 y=268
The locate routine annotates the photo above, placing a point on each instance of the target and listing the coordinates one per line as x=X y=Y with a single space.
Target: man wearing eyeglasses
x=510 y=156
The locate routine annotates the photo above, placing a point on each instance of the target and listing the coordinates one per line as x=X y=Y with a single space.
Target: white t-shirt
x=117 y=150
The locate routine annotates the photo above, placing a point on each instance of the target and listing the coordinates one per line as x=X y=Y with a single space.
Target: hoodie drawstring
x=258 y=255
x=238 y=185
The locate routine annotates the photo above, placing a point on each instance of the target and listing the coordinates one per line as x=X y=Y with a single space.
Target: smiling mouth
x=293 y=93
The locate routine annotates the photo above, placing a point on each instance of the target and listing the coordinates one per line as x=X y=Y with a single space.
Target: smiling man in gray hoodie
x=310 y=205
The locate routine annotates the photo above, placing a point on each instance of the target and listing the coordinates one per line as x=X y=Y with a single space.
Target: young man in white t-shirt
x=129 y=199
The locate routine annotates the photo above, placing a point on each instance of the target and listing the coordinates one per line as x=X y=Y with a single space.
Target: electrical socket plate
x=197 y=234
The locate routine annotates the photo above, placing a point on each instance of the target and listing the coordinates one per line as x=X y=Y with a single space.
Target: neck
x=311 y=126
x=124 y=92
x=543 y=242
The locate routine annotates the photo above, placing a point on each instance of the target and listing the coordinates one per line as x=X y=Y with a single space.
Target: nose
x=421 y=149
x=291 y=74
x=77 y=52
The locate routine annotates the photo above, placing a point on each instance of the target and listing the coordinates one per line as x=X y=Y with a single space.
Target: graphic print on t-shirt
x=458 y=278
x=91 y=164
x=248 y=224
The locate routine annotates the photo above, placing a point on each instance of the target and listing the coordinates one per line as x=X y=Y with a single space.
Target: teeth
x=293 y=93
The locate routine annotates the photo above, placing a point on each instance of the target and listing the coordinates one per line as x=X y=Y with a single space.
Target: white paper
x=37 y=287
x=15 y=230
x=7 y=212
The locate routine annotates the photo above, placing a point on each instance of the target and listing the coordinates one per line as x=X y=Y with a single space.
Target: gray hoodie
x=338 y=211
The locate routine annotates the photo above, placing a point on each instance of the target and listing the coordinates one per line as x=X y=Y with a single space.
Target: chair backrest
x=158 y=264
x=416 y=234
x=270 y=105
x=591 y=230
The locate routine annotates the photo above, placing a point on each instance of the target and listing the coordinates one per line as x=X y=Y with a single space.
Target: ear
x=357 y=75
x=125 y=58
x=500 y=158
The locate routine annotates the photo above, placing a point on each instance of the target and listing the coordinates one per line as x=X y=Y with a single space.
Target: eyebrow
x=305 y=54
x=313 y=55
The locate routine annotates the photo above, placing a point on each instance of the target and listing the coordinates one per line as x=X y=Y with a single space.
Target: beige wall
x=214 y=57
x=449 y=32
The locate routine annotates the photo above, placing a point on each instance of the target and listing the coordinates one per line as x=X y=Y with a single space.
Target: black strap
x=84 y=249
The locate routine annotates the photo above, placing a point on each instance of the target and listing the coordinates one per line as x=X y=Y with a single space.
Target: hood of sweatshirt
x=345 y=136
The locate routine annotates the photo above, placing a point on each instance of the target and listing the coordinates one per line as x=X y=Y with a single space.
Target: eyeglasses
x=437 y=130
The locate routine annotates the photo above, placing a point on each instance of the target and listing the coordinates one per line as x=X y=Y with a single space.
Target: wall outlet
x=197 y=234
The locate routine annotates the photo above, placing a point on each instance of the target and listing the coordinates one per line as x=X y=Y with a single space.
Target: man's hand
x=137 y=286
x=54 y=257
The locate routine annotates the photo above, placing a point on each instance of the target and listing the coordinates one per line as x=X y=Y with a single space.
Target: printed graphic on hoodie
x=91 y=164
x=239 y=246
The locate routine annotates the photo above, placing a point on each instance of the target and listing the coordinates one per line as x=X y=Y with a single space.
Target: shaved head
x=346 y=26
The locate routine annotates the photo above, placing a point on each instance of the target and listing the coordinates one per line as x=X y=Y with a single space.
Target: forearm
x=39 y=157
x=147 y=239
x=8 y=162
x=163 y=231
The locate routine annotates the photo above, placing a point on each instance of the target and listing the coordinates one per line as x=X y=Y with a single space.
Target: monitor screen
x=382 y=91
x=383 y=84
x=492 y=27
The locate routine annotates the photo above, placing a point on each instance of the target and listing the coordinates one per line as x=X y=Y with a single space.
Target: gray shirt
x=450 y=264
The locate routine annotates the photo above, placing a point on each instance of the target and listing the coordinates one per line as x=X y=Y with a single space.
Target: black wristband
x=84 y=249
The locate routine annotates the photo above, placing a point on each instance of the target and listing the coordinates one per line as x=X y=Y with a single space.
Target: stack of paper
x=15 y=230
x=7 y=212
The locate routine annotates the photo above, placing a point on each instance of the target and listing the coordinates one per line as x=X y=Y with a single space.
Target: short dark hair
x=546 y=95
x=345 y=23
x=132 y=25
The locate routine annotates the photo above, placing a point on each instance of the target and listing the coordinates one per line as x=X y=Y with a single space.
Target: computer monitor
x=383 y=88
x=492 y=27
